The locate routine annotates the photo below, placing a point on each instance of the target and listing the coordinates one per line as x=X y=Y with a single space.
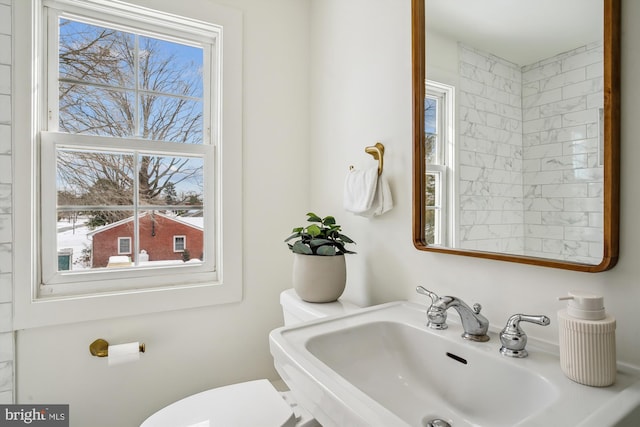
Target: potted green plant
x=319 y=268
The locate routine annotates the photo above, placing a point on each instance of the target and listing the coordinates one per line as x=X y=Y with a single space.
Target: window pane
x=431 y=190
x=170 y=118
x=430 y=148
x=430 y=115
x=96 y=111
x=173 y=181
x=432 y=210
x=92 y=178
x=170 y=68
x=430 y=226
x=94 y=54
x=157 y=232
x=430 y=130
x=86 y=239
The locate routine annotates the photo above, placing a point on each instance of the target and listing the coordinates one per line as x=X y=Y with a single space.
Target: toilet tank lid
x=292 y=303
x=252 y=403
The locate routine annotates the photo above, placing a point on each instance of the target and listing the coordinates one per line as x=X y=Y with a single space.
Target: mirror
x=516 y=130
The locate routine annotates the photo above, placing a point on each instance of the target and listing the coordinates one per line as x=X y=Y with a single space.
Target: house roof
x=194 y=222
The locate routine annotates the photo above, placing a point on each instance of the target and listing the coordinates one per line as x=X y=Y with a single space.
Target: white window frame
x=175 y=245
x=124 y=239
x=445 y=156
x=37 y=305
x=57 y=283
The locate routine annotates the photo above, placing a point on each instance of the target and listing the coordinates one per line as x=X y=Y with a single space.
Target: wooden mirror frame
x=611 y=146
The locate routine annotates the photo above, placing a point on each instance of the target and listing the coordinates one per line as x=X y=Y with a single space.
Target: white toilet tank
x=295 y=310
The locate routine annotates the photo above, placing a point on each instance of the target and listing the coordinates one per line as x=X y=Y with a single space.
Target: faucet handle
x=514 y=339
x=423 y=291
x=436 y=316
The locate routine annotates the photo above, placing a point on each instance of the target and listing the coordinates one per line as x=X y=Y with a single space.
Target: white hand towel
x=360 y=190
x=382 y=201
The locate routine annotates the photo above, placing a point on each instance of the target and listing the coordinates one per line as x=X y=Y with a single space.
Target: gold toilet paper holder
x=100 y=348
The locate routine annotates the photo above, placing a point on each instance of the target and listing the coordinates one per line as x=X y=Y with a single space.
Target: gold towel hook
x=377 y=151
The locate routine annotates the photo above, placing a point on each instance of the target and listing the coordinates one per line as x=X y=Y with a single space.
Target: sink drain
x=437 y=422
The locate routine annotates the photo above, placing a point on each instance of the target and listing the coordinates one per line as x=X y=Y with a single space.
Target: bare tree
x=114 y=83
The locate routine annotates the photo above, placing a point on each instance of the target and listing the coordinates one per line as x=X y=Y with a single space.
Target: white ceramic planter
x=319 y=278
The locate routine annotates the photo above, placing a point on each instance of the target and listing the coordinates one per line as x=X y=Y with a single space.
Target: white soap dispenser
x=587 y=340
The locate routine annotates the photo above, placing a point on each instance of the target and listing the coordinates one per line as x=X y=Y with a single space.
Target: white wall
x=360 y=93
x=193 y=350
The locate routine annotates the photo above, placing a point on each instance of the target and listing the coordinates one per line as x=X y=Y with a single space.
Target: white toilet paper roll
x=123 y=353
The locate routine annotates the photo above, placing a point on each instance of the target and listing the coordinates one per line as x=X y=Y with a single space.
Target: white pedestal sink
x=381 y=366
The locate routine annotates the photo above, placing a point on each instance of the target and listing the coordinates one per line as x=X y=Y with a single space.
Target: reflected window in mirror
x=439 y=140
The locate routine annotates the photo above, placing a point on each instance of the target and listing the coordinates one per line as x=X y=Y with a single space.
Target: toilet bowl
x=252 y=403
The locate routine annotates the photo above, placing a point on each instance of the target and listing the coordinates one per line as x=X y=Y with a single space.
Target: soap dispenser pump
x=587 y=340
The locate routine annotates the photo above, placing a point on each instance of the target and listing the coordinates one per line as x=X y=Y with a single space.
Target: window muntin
x=129 y=128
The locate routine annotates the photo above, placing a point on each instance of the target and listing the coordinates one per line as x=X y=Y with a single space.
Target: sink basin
x=381 y=366
x=410 y=374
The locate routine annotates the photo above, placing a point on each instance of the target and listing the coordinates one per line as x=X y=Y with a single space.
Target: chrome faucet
x=513 y=338
x=475 y=325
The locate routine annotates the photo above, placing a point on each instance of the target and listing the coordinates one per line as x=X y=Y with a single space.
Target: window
x=438 y=140
x=179 y=243
x=128 y=138
x=124 y=136
x=124 y=245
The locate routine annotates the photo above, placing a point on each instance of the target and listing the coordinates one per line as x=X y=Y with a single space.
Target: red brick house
x=162 y=237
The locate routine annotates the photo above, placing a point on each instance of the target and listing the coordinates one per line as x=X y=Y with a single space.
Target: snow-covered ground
x=74 y=237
